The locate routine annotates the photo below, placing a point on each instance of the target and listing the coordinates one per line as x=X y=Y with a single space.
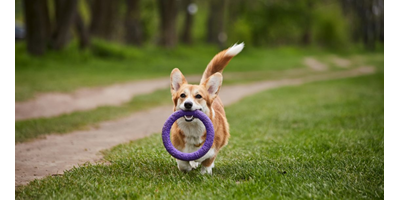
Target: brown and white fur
x=188 y=133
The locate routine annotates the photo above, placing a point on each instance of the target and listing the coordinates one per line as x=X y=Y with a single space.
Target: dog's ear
x=177 y=80
x=213 y=84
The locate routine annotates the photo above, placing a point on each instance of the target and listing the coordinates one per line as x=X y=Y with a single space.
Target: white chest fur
x=193 y=131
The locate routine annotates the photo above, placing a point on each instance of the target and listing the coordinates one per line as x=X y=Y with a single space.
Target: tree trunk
x=65 y=16
x=133 y=28
x=37 y=25
x=187 y=27
x=365 y=11
x=306 y=37
x=215 y=23
x=168 y=14
x=103 y=22
x=82 y=31
x=368 y=20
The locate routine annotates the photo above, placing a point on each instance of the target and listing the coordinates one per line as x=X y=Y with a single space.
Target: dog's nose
x=188 y=105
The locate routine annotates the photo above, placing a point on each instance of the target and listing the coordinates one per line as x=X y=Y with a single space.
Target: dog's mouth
x=188 y=118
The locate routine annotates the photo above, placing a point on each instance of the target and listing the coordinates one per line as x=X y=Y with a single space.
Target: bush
x=331 y=28
x=288 y=22
x=106 y=49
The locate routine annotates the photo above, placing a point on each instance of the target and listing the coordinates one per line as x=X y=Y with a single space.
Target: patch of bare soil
x=56 y=153
x=341 y=62
x=315 y=64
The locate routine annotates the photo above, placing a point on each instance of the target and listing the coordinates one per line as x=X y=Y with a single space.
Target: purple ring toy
x=188 y=156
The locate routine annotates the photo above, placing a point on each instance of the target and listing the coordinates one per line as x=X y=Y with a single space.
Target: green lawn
x=107 y=63
x=33 y=128
x=321 y=140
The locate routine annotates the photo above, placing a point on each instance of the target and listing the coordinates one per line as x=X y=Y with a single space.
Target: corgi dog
x=188 y=133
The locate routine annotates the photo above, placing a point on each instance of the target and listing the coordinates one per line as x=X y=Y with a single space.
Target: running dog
x=188 y=133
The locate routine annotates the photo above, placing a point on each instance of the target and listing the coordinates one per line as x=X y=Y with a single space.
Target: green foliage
x=18 y=11
x=84 y=11
x=149 y=19
x=242 y=31
x=317 y=141
x=104 y=49
x=271 y=23
x=288 y=22
x=331 y=28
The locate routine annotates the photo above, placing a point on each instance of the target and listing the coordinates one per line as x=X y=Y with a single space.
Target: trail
x=56 y=103
x=57 y=153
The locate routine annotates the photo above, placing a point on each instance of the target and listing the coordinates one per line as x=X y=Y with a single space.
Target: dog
x=189 y=133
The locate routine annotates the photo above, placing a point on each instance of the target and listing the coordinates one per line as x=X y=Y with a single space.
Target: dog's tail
x=218 y=63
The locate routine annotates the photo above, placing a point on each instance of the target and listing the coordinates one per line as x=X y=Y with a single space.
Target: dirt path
x=53 y=104
x=315 y=64
x=340 y=62
x=57 y=153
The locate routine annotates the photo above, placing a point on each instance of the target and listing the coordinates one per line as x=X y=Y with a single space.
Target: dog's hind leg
x=207 y=165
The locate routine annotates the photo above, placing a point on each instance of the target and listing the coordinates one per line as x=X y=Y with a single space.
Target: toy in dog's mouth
x=188 y=118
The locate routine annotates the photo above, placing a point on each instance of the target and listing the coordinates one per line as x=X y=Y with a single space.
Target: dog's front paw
x=194 y=164
x=184 y=166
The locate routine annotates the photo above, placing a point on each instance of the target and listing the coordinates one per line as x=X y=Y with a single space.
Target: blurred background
x=52 y=25
x=79 y=63
x=64 y=45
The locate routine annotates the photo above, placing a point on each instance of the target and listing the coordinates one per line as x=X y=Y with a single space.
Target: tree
x=66 y=11
x=103 y=14
x=82 y=31
x=37 y=23
x=133 y=28
x=216 y=22
x=369 y=20
x=186 y=35
x=168 y=15
x=306 y=37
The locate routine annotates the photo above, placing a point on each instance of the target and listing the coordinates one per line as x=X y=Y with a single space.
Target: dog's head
x=194 y=97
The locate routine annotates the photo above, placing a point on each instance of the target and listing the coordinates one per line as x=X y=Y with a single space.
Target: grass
x=107 y=63
x=317 y=141
x=35 y=128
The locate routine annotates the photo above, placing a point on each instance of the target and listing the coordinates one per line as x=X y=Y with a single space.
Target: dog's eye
x=183 y=95
x=198 y=96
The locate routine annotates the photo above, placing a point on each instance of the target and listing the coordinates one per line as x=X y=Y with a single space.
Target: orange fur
x=217 y=64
